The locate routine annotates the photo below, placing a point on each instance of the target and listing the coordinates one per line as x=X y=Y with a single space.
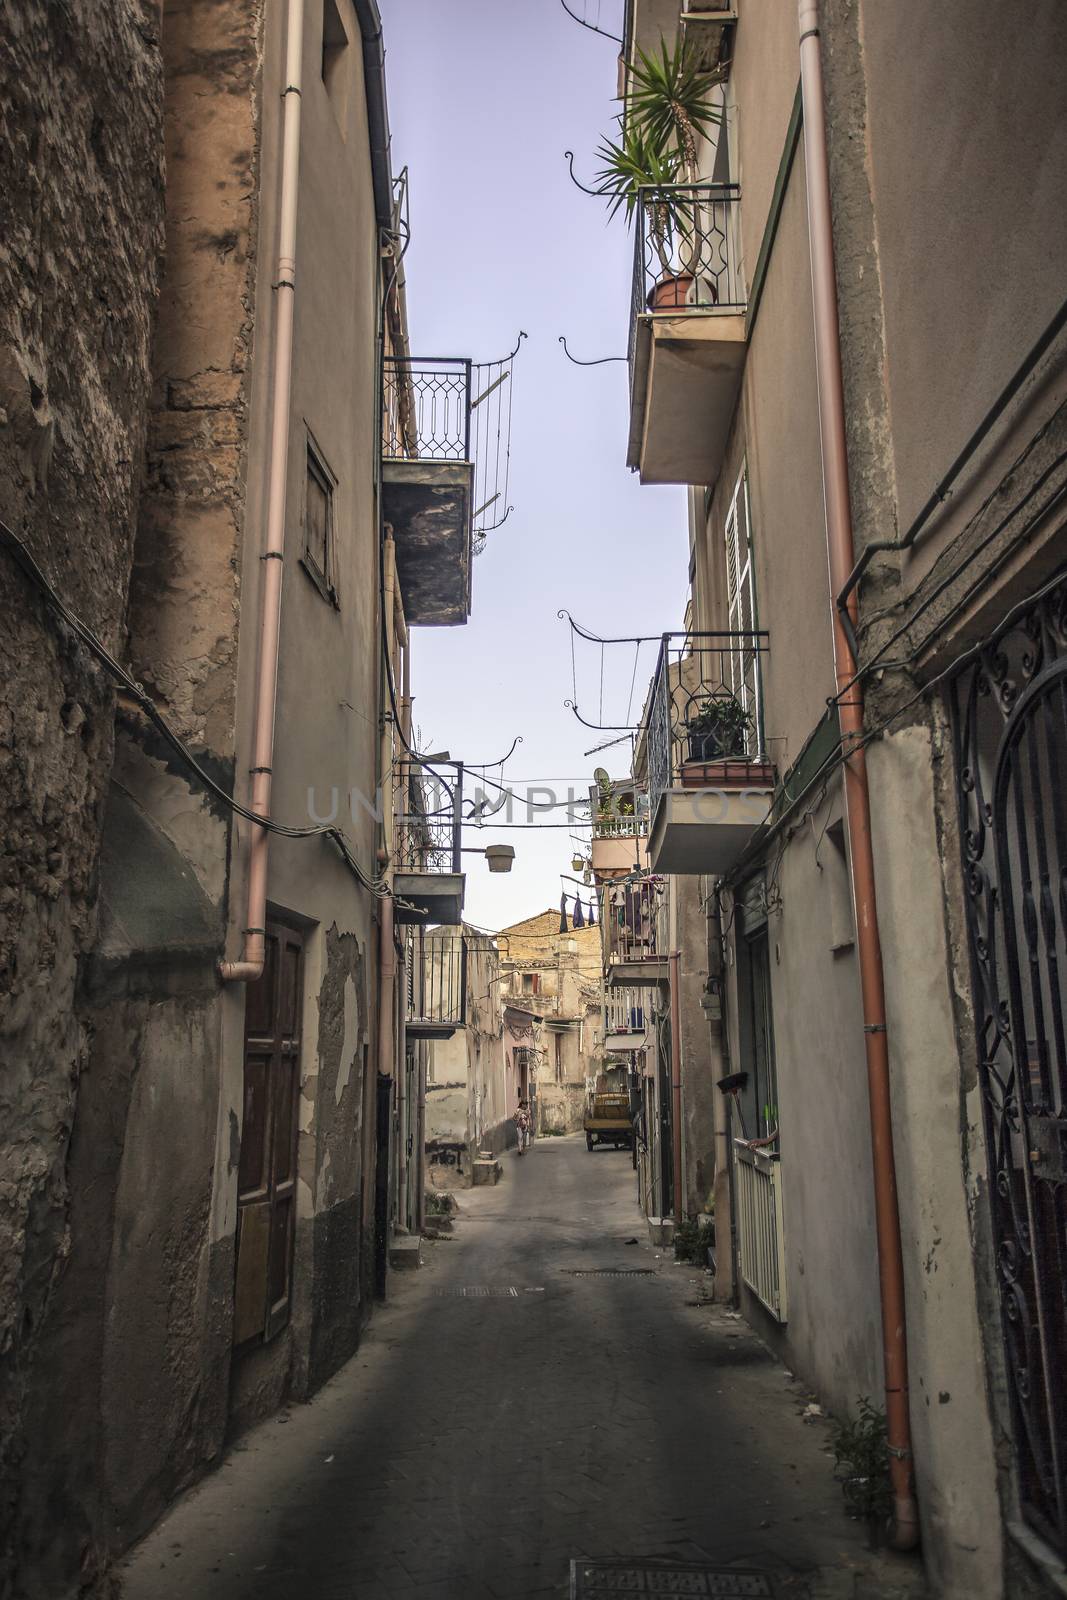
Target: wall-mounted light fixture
x=499 y=857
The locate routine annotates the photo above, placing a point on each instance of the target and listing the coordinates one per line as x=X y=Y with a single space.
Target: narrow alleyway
x=509 y=1412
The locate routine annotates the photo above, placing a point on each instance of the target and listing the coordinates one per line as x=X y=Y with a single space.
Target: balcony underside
x=428 y=505
x=686 y=379
x=616 y=856
x=437 y=895
x=705 y=830
x=644 y=974
x=419 y=1029
x=623 y=1043
x=709 y=33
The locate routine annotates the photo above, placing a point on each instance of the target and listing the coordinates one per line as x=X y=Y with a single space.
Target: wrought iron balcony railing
x=454 y=409
x=429 y=831
x=705 y=709
x=634 y=921
x=686 y=252
x=426 y=409
x=436 y=971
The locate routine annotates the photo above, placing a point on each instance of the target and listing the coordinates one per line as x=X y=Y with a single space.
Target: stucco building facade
x=953 y=382
x=220 y=472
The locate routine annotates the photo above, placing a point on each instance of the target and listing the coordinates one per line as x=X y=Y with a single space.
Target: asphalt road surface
x=508 y=1414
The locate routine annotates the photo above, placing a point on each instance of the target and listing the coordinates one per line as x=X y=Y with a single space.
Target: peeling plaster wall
x=159 y=1326
x=185 y=600
x=81 y=151
x=139 y=1325
x=326 y=734
x=699 y=1071
x=344 y=1035
x=470 y=1097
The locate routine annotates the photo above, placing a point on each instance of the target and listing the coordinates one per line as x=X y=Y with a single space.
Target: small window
x=531 y=982
x=839 y=884
x=319 y=558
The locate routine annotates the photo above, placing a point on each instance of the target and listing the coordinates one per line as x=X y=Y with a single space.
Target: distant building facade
x=554 y=979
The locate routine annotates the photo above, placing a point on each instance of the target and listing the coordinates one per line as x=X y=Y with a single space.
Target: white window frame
x=742 y=616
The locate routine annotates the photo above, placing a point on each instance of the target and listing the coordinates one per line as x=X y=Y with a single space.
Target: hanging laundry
x=579 y=919
x=563 y=912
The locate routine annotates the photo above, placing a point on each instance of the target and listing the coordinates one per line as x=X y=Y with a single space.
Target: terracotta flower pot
x=729 y=772
x=671 y=293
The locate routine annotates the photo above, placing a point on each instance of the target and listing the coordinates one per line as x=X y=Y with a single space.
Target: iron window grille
x=1009 y=707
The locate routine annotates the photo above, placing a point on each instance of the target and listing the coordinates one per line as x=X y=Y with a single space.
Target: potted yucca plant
x=669 y=108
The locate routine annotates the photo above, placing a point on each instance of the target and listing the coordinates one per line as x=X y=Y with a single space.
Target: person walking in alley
x=522 y=1125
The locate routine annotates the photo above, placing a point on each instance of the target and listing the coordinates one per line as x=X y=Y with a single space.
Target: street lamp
x=499 y=857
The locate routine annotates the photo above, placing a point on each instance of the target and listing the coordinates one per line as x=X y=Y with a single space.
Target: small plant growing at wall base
x=861 y=1461
x=691 y=1240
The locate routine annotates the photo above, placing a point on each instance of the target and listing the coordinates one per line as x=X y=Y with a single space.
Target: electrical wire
x=840 y=756
x=38 y=579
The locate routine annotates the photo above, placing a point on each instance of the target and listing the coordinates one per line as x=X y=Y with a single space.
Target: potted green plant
x=633 y=164
x=719 y=730
x=669 y=108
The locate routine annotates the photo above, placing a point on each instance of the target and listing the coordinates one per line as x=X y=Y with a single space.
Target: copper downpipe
x=676 y=1082
x=250 y=967
x=841 y=558
x=387 y=966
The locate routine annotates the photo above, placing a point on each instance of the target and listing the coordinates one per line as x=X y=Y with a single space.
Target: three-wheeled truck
x=608 y=1121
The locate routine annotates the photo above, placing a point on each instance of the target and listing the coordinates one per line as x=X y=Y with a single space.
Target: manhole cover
x=615 y=1577
x=476 y=1291
x=612 y=1272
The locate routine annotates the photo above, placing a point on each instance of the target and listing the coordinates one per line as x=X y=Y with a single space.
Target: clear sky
x=484 y=98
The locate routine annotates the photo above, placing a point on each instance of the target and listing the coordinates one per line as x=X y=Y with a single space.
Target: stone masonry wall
x=81 y=172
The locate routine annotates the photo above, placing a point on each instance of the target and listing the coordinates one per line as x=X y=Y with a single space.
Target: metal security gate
x=1010 y=717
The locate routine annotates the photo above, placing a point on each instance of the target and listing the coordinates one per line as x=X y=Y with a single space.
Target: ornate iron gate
x=1010 y=718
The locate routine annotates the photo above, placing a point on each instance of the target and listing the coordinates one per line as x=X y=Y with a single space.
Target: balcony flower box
x=731 y=772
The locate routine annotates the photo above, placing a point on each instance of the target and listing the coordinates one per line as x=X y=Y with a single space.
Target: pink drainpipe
x=841 y=553
x=250 y=966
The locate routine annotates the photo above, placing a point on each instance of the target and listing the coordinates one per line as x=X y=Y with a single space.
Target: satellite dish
x=600 y=777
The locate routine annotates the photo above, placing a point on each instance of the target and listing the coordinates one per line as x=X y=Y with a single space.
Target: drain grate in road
x=612 y=1272
x=615 y=1577
x=477 y=1291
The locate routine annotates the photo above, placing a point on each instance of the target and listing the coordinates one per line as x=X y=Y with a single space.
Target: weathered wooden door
x=266 y=1184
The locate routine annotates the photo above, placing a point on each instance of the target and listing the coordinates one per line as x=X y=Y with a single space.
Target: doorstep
x=405 y=1252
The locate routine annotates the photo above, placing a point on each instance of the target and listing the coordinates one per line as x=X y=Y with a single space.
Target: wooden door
x=266 y=1183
